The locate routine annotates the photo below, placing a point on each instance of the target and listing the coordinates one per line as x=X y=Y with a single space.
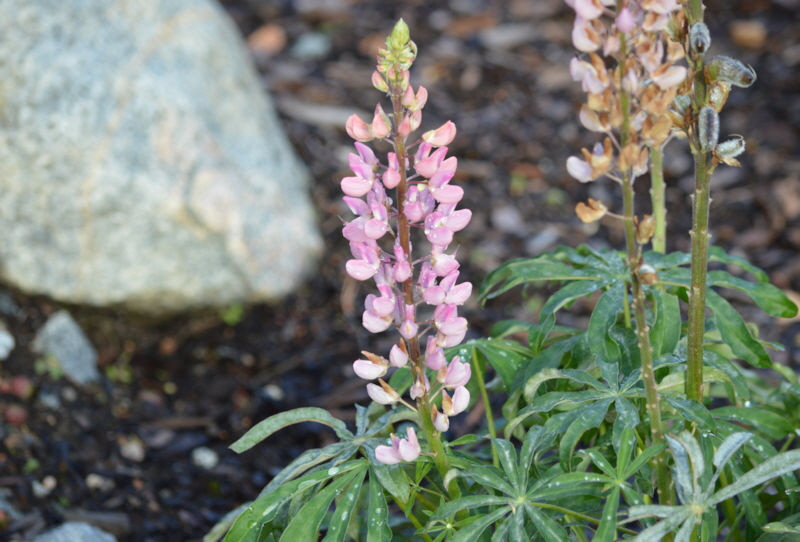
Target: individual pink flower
x=458 y=403
x=625 y=22
x=358 y=129
x=405 y=449
x=398 y=356
x=420 y=387
x=457 y=374
x=440 y=420
x=409 y=326
x=371 y=368
x=451 y=328
x=382 y=393
x=434 y=355
x=441 y=136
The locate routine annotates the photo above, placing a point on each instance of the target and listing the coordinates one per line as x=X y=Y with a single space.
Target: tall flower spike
x=414 y=271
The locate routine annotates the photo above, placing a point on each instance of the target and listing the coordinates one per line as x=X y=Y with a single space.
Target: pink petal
x=441 y=136
x=391 y=178
x=579 y=169
x=355 y=186
x=448 y=194
x=375 y=229
x=379 y=395
x=387 y=455
x=358 y=129
x=459 y=294
x=367 y=370
x=458 y=220
x=460 y=400
x=397 y=357
x=360 y=270
x=440 y=236
x=374 y=323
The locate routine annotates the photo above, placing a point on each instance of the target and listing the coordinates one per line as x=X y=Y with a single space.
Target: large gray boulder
x=141 y=164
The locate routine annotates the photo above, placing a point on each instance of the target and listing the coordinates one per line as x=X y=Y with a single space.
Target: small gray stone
x=62 y=338
x=74 y=531
x=205 y=457
x=7 y=342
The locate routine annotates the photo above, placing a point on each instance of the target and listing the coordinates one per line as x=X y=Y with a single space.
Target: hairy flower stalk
x=382 y=245
x=629 y=103
x=697 y=117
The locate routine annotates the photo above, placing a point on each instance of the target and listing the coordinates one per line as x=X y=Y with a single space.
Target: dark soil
x=119 y=454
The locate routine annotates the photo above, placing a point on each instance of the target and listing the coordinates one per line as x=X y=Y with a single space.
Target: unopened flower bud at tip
x=441 y=136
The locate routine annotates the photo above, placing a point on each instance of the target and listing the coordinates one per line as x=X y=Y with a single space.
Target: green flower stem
x=478 y=373
x=729 y=509
x=432 y=436
x=657 y=197
x=699 y=236
x=652 y=403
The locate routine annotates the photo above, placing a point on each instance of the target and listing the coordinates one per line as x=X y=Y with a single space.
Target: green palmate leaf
x=607 y=529
x=305 y=525
x=267 y=427
x=773 y=467
x=735 y=333
x=378 y=517
x=604 y=316
x=666 y=329
x=340 y=519
x=770 y=298
x=264 y=508
x=771 y=424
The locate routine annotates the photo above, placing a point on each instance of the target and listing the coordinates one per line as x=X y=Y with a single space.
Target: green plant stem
x=652 y=402
x=478 y=373
x=657 y=197
x=729 y=509
x=432 y=436
x=699 y=236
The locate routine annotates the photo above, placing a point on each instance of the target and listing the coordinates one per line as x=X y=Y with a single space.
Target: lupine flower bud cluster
x=629 y=100
x=418 y=177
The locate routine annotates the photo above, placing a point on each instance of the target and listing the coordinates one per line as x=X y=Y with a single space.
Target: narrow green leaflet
x=773 y=467
x=603 y=317
x=607 y=530
x=666 y=329
x=378 y=514
x=591 y=416
x=267 y=427
x=769 y=298
x=310 y=459
x=471 y=532
x=392 y=478
x=771 y=424
x=550 y=530
x=505 y=356
x=572 y=291
x=735 y=333
x=340 y=519
x=717 y=254
x=305 y=524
